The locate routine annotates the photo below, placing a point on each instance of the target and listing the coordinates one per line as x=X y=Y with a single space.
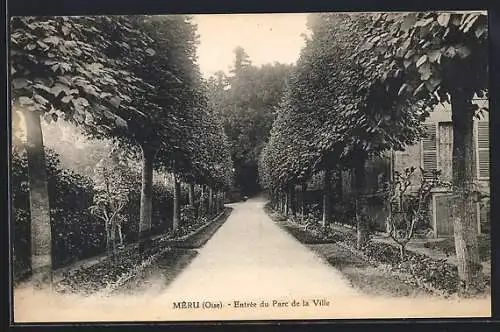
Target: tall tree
x=342 y=124
x=246 y=100
x=171 y=70
x=241 y=60
x=68 y=67
x=441 y=57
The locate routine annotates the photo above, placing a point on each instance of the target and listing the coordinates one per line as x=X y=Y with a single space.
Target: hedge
x=76 y=233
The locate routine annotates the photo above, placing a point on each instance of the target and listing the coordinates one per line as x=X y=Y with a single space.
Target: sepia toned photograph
x=217 y=167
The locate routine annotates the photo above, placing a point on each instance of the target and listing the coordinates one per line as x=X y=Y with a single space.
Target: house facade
x=434 y=152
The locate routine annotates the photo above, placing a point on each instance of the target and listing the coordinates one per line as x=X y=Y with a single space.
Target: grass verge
x=158 y=276
x=364 y=272
x=370 y=279
x=447 y=246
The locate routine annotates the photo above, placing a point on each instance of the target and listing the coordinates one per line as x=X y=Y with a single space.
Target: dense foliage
x=72 y=196
x=77 y=232
x=328 y=119
x=75 y=68
x=131 y=79
x=442 y=57
x=246 y=100
x=362 y=86
x=436 y=54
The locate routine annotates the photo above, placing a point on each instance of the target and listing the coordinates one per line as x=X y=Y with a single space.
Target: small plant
x=111 y=185
x=407 y=208
x=310 y=221
x=188 y=214
x=203 y=204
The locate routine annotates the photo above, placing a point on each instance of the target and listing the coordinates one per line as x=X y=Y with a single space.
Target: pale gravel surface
x=250 y=255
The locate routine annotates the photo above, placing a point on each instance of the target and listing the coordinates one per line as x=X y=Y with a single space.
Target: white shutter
x=483 y=150
x=429 y=148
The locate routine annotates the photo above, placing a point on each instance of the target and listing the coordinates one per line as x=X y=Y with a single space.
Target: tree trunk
x=113 y=237
x=287 y=202
x=327 y=198
x=361 y=218
x=108 y=237
x=464 y=221
x=304 y=206
x=120 y=234
x=292 y=195
x=210 y=201
x=281 y=205
x=201 y=204
x=177 y=206
x=148 y=154
x=41 y=233
x=280 y=202
x=338 y=186
x=401 y=252
x=112 y=243
x=301 y=202
x=221 y=201
x=216 y=201
x=191 y=194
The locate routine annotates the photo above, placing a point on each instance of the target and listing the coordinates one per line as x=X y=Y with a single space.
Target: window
x=483 y=150
x=429 y=148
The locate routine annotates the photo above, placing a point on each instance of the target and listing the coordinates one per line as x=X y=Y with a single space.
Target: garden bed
x=109 y=273
x=432 y=275
x=365 y=276
x=107 y=277
x=169 y=265
x=158 y=276
x=200 y=236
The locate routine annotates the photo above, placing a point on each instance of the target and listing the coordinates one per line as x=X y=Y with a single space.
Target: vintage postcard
x=250 y=167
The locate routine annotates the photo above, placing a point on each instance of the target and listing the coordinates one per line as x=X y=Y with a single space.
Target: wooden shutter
x=429 y=148
x=483 y=150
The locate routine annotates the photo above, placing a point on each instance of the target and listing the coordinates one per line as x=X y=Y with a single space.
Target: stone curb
x=113 y=286
x=198 y=230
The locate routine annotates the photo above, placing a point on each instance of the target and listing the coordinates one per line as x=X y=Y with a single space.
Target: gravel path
x=250 y=256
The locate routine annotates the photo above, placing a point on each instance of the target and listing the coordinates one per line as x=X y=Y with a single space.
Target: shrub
x=130 y=225
x=188 y=214
x=163 y=206
x=75 y=234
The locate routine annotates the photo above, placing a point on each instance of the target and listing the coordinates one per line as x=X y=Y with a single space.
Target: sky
x=267 y=38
